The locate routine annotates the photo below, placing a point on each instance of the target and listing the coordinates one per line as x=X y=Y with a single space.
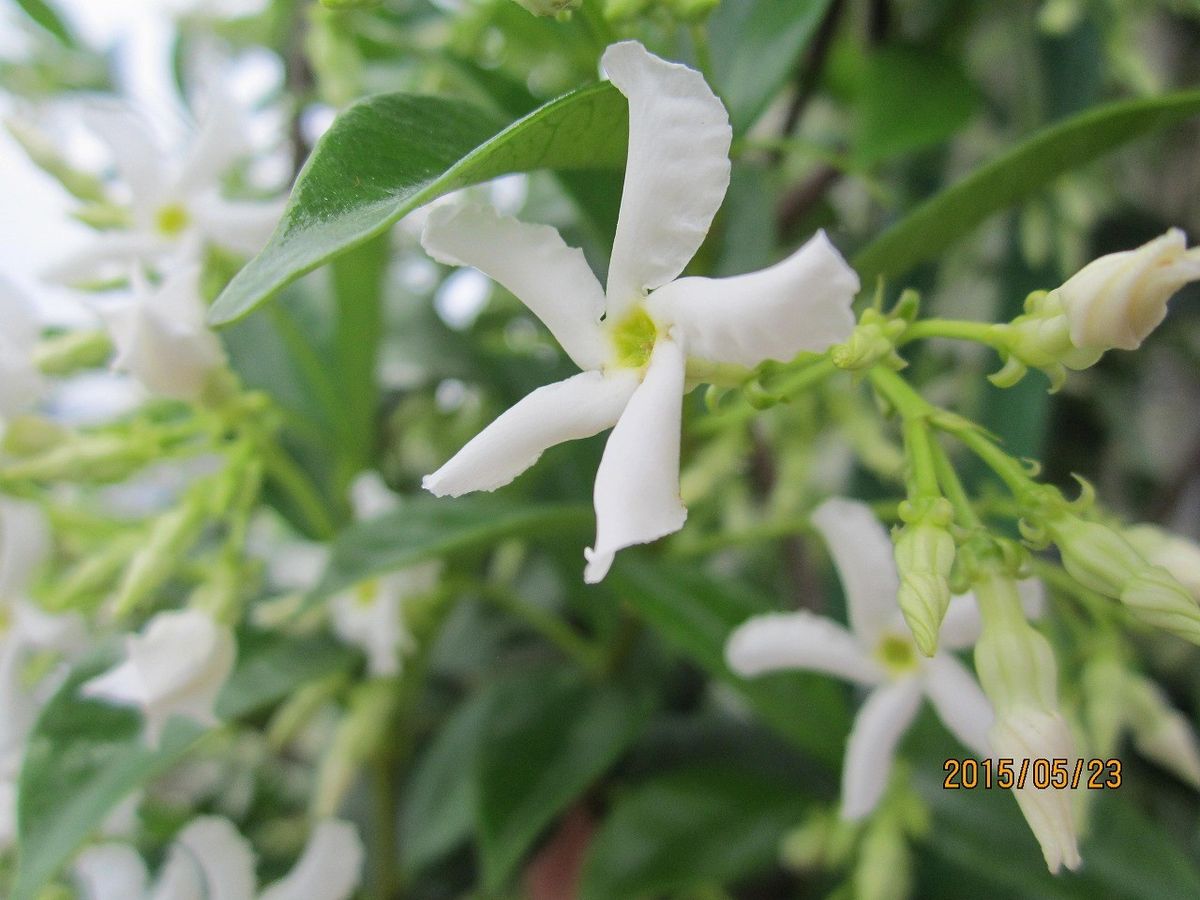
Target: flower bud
x=170 y=537
x=924 y=557
x=1118 y=299
x=97 y=458
x=359 y=735
x=1161 y=732
x=65 y=354
x=884 y=869
x=1025 y=733
x=1176 y=554
x=1096 y=556
x=1156 y=598
x=873 y=340
x=1040 y=339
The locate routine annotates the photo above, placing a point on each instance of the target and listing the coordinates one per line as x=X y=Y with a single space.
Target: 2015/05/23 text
x=1060 y=774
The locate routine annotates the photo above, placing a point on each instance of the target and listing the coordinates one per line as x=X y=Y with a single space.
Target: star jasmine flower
x=877 y=651
x=370 y=615
x=633 y=337
x=175 y=205
x=160 y=336
x=21 y=384
x=176 y=666
x=211 y=859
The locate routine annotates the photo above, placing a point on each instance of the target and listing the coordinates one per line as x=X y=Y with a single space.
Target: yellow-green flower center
x=171 y=219
x=897 y=654
x=633 y=339
x=367 y=592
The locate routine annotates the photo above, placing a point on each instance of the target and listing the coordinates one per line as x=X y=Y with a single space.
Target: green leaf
x=548 y=736
x=43 y=13
x=911 y=98
x=387 y=155
x=689 y=829
x=427 y=527
x=696 y=613
x=85 y=756
x=1027 y=168
x=759 y=45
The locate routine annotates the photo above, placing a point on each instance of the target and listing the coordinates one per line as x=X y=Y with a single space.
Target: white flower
x=176 y=666
x=160 y=335
x=877 y=651
x=211 y=859
x=370 y=615
x=175 y=199
x=1118 y=299
x=21 y=384
x=632 y=338
x=24 y=628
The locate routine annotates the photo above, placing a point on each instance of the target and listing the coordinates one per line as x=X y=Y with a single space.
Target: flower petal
x=329 y=868
x=242 y=226
x=959 y=701
x=801 y=303
x=111 y=254
x=961 y=624
x=582 y=405
x=637 y=484
x=862 y=553
x=220 y=137
x=136 y=155
x=872 y=746
x=21 y=384
x=675 y=176
x=799 y=640
x=110 y=872
x=534 y=264
x=24 y=545
x=223 y=857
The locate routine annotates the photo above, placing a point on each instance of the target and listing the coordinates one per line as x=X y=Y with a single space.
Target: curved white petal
x=582 y=405
x=242 y=226
x=180 y=877
x=370 y=616
x=24 y=545
x=220 y=137
x=223 y=857
x=959 y=701
x=878 y=726
x=799 y=640
x=799 y=304
x=135 y=153
x=110 y=254
x=329 y=868
x=534 y=264
x=34 y=627
x=675 y=176
x=370 y=497
x=21 y=384
x=110 y=872
x=637 y=483
x=862 y=553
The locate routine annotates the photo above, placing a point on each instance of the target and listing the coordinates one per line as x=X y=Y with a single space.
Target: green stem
x=1010 y=470
x=293 y=481
x=953 y=488
x=915 y=411
x=384 y=844
x=547 y=625
x=980 y=332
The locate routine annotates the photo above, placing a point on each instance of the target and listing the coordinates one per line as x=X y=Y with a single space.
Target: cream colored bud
x=1095 y=555
x=1118 y=299
x=1161 y=732
x=1156 y=598
x=1176 y=554
x=924 y=557
x=1026 y=733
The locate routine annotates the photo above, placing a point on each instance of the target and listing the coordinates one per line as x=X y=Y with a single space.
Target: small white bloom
x=1118 y=299
x=370 y=615
x=160 y=335
x=175 y=199
x=877 y=651
x=176 y=666
x=21 y=384
x=632 y=337
x=211 y=859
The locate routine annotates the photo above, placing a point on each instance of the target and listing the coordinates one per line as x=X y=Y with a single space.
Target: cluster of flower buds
x=874 y=338
x=1113 y=302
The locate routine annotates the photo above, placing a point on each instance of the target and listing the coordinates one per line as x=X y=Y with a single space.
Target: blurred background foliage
x=558 y=734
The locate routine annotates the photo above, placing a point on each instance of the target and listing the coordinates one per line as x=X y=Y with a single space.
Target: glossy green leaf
x=44 y=14
x=387 y=155
x=1027 y=168
x=85 y=756
x=693 y=828
x=427 y=527
x=757 y=46
x=696 y=612
x=910 y=98
x=547 y=737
